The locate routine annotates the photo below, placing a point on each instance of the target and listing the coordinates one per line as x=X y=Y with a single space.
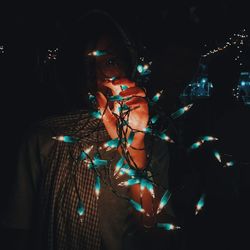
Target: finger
x=136 y=101
x=115 y=89
x=125 y=82
x=116 y=85
x=108 y=118
x=134 y=91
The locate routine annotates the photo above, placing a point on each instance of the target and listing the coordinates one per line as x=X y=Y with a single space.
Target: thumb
x=108 y=118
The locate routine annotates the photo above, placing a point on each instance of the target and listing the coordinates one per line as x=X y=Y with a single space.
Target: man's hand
x=138 y=116
x=137 y=120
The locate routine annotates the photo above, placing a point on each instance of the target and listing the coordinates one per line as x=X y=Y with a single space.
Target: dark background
x=174 y=36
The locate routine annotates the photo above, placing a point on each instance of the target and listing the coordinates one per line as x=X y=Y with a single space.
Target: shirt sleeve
x=21 y=202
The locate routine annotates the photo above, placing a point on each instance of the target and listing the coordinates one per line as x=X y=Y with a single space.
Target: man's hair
x=76 y=70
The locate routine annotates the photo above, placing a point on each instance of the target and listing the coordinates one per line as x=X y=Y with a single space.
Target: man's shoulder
x=40 y=133
x=63 y=120
x=78 y=123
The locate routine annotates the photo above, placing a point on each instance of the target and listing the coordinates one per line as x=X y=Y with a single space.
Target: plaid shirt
x=47 y=176
x=64 y=228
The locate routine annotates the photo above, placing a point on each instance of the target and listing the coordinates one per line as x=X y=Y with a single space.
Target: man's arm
x=18 y=219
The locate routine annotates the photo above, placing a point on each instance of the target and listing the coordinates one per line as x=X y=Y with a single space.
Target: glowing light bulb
x=80 y=208
x=181 y=111
x=154 y=119
x=150 y=188
x=200 y=204
x=137 y=206
x=123 y=107
x=208 y=138
x=130 y=138
x=143 y=69
x=97 y=53
x=128 y=171
x=97 y=186
x=92 y=98
x=85 y=153
x=142 y=185
x=230 y=163
x=65 y=138
x=100 y=162
x=147 y=130
x=119 y=165
x=164 y=200
x=157 y=96
x=112 y=78
x=129 y=182
x=124 y=87
x=115 y=98
x=217 y=156
x=165 y=137
x=97 y=162
x=112 y=143
x=167 y=226
x=196 y=145
x=96 y=114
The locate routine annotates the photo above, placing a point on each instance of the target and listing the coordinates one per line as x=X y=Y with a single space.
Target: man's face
x=110 y=65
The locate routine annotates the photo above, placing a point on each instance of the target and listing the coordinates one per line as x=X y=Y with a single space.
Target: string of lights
x=2 y=51
x=237 y=40
x=126 y=166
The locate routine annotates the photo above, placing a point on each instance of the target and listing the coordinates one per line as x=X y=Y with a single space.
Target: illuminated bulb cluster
x=161 y=135
x=137 y=178
x=127 y=170
x=224 y=163
x=85 y=153
x=236 y=40
x=143 y=67
x=1 y=49
x=51 y=55
x=112 y=144
x=118 y=165
x=243 y=88
x=97 y=162
x=92 y=98
x=129 y=182
x=201 y=141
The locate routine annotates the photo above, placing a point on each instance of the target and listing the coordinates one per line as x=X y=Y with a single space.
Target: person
x=53 y=199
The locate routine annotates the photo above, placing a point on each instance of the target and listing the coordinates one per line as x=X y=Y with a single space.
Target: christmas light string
x=126 y=165
x=2 y=51
x=236 y=40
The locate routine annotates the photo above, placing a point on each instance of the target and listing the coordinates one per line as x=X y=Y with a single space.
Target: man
x=53 y=197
